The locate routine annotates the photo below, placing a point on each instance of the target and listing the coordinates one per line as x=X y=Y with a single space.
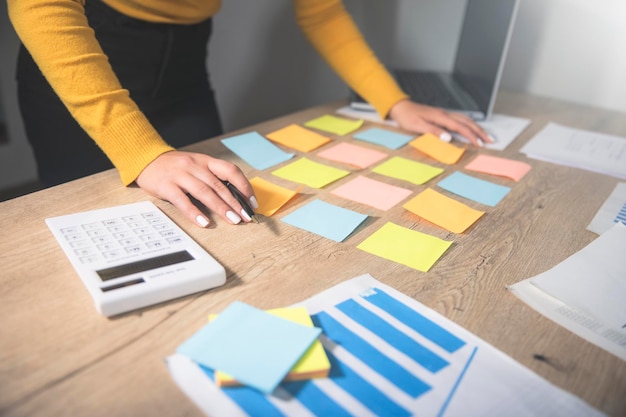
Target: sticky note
x=383 y=137
x=437 y=149
x=354 y=155
x=374 y=193
x=255 y=347
x=314 y=362
x=484 y=192
x=405 y=246
x=502 y=167
x=255 y=150
x=299 y=138
x=307 y=172
x=324 y=219
x=407 y=170
x=271 y=197
x=443 y=211
x=334 y=124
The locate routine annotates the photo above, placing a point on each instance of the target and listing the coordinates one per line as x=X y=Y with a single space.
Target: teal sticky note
x=484 y=192
x=327 y=220
x=386 y=138
x=255 y=347
x=255 y=150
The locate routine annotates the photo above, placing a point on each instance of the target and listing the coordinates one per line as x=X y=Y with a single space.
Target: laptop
x=472 y=85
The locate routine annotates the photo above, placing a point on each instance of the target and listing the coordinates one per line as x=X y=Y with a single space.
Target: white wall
x=263 y=67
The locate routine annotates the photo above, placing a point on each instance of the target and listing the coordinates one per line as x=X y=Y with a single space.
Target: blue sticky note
x=326 y=220
x=484 y=192
x=256 y=348
x=386 y=138
x=257 y=151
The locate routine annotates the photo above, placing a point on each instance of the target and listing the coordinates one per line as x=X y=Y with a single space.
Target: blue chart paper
x=390 y=356
x=484 y=192
x=257 y=151
x=386 y=138
x=327 y=220
x=255 y=347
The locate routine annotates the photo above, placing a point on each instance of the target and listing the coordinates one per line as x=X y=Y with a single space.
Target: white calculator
x=133 y=256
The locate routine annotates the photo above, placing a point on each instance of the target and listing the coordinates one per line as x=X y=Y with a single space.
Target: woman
x=125 y=82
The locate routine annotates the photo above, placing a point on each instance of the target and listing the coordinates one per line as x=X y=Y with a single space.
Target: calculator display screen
x=144 y=265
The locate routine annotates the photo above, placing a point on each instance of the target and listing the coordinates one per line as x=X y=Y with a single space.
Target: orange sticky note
x=437 y=149
x=499 y=166
x=271 y=197
x=298 y=137
x=443 y=211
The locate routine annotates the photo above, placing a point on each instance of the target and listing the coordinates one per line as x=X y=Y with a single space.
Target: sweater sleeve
x=58 y=37
x=333 y=33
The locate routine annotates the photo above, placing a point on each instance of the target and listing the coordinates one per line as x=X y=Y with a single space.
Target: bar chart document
x=390 y=356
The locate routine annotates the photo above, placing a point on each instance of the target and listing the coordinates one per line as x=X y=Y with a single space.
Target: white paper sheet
x=578 y=148
x=586 y=293
x=474 y=379
x=612 y=211
x=503 y=128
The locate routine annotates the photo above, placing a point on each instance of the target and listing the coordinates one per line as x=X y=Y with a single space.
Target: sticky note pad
x=443 y=211
x=354 y=155
x=316 y=175
x=255 y=347
x=437 y=149
x=407 y=170
x=405 y=246
x=484 y=192
x=299 y=138
x=314 y=362
x=324 y=219
x=255 y=150
x=271 y=197
x=386 y=138
x=374 y=193
x=334 y=124
x=502 y=167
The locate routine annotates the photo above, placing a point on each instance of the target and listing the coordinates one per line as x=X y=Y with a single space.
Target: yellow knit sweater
x=58 y=37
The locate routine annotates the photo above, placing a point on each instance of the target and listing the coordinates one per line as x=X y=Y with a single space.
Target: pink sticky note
x=373 y=193
x=354 y=155
x=499 y=166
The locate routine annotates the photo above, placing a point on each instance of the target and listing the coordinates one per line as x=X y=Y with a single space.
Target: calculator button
x=131 y=219
x=107 y=246
x=80 y=244
x=89 y=259
x=150 y=237
x=128 y=242
x=168 y=233
x=75 y=237
x=134 y=249
x=85 y=252
x=97 y=232
x=176 y=239
x=117 y=228
x=122 y=235
x=112 y=254
x=135 y=225
x=111 y=222
x=70 y=230
x=161 y=226
x=101 y=239
x=155 y=244
x=150 y=215
x=143 y=230
x=92 y=226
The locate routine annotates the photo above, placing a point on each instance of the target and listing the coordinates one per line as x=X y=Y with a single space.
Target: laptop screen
x=481 y=52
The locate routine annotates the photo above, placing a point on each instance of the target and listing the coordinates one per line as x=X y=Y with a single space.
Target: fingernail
x=480 y=142
x=254 y=203
x=493 y=138
x=232 y=216
x=245 y=215
x=202 y=221
x=446 y=137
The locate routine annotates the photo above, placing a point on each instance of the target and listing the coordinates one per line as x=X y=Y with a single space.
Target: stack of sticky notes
x=247 y=346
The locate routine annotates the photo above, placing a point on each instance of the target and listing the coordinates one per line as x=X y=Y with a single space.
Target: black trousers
x=163 y=67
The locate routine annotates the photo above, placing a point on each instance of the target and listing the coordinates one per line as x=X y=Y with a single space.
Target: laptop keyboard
x=427 y=87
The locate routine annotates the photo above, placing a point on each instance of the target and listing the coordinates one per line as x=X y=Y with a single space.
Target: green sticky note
x=333 y=124
x=407 y=170
x=405 y=246
x=313 y=174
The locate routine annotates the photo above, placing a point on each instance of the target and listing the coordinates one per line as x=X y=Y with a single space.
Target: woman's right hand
x=176 y=175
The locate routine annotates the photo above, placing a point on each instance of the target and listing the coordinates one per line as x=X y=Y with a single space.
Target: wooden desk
x=58 y=357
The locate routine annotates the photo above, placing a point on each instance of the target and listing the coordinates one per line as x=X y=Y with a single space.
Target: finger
x=473 y=126
x=179 y=199
x=455 y=125
x=232 y=173
x=211 y=192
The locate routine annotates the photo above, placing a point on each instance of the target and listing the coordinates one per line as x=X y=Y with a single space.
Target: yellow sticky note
x=437 y=149
x=443 y=211
x=298 y=137
x=270 y=197
x=405 y=246
x=407 y=170
x=334 y=124
x=314 y=362
x=313 y=174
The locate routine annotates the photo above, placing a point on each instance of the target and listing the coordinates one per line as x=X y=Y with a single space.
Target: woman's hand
x=420 y=118
x=176 y=175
